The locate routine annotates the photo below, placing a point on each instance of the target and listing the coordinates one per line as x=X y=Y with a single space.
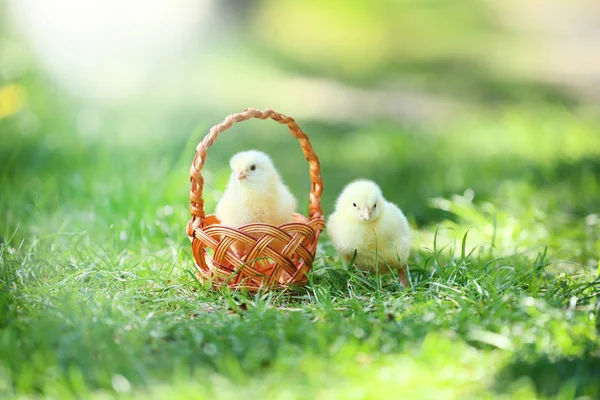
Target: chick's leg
x=402 y=276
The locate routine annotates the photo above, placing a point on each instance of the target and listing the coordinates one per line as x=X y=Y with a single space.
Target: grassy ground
x=98 y=299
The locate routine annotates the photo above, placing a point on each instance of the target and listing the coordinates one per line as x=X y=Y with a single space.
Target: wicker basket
x=262 y=266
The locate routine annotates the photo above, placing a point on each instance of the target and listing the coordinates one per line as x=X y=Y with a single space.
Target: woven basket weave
x=262 y=266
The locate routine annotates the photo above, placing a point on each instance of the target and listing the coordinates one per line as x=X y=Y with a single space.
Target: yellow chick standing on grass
x=255 y=193
x=363 y=221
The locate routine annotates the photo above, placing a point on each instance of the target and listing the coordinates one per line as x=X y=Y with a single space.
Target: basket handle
x=196 y=200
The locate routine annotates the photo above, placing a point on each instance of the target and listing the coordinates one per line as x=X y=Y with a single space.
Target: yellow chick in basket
x=255 y=193
x=363 y=221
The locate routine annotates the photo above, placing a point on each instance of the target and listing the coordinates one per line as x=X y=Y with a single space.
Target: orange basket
x=261 y=266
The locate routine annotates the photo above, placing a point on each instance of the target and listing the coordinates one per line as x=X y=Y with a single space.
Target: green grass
x=98 y=298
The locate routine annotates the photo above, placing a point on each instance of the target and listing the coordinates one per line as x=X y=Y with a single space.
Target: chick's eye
x=375 y=205
x=354 y=204
x=252 y=167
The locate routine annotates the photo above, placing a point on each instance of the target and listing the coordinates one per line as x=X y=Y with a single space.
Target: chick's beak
x=366 y=213
x=241 y=175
